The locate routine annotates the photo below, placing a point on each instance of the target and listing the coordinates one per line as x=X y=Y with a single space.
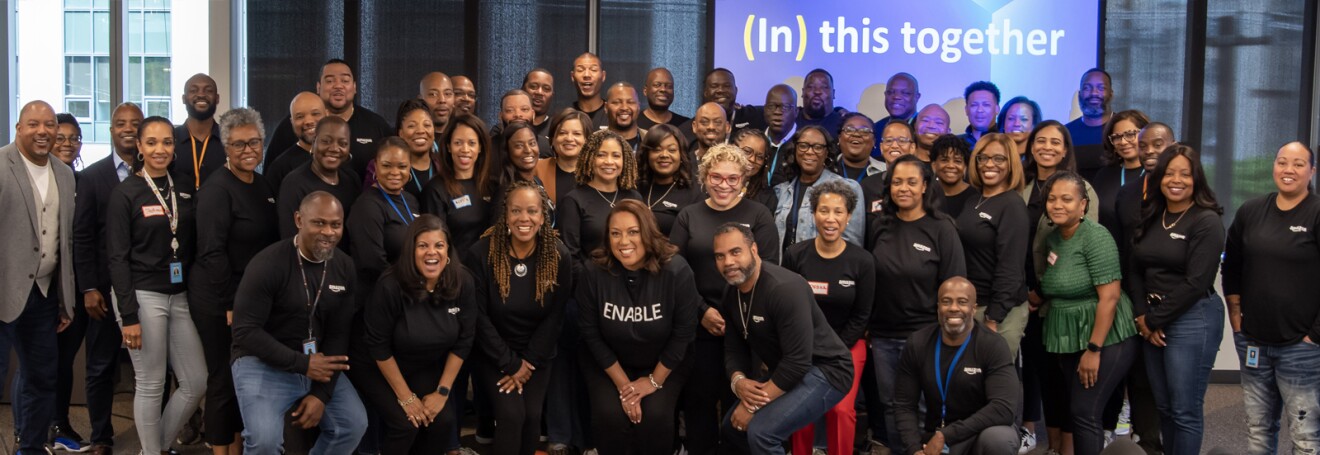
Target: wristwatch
x=442 y=390
x=1092 y=347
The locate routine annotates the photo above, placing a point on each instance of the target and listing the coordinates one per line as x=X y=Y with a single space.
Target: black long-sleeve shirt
x=467 y=214
x=954 y=205
x=694 y=235
x=419 y=333
x=519 y=327
x=91 y=264
x=272 y=310
x=1272 y=260
x=235 y=221
x=1177 y=263
x=983 y=392
x=138 y=240
x=785 y=330
x=292 y=158
x=211 y=153
x=994 y=235
x=844 y=286
x=638 y=318
x=365 y=126
x=301 y=182
x=1128 y=215
x=913 y=258
x=1109 y=181
x=582 y=217
x=666 y=201
x=379 y=233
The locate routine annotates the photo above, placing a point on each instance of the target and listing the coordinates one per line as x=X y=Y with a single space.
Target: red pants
x=840 y=421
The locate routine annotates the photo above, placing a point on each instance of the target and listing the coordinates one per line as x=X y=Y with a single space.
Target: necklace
x=611 y=201
x=745 y=311
x=979 y=201
x=648 y=195
x=1168 y=226
x=520 y=269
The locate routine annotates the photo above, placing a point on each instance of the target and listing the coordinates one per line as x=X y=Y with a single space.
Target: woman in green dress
x=1089 y=320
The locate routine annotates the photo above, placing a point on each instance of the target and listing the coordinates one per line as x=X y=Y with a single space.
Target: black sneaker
x=65 y=438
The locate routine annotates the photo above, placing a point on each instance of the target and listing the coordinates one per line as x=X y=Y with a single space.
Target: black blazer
x=91 y=268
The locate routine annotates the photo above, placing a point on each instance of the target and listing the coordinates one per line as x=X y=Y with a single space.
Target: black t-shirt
x=418 y=333
x=301 y=182
x=565 y=182
x=519 y=327
x=138 y=241
x=467 y=214
x=667 y=200
x=638 y=318
x=1107 y=184
x=694 y=235
x=599 y=117
x=844 y=286
x=994 y=235
x=291 y=159
x=379 y=229
x=778 y=324
x=1178 y=263
x=913 y=258
x=210 y=151
x=1272 y=259
x=273 y=310
x=417 y=182
x=235 y=221
x=954 y=205
x=582 y=216
x=678 y=120
x=1128 y=210
x=365 y=126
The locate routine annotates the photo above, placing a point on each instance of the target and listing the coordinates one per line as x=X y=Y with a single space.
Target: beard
x=744 y=273
x=200 y=115
x=1090 y=110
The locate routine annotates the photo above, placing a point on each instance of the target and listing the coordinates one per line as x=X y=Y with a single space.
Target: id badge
x=1253 y=357
x=176 y=272
x=309 y=346
x=945 y=449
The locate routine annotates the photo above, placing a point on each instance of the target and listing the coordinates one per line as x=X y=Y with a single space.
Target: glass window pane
x=157 y=4
x=77 y=4
x=136 y=33
x=156 y=76
x=77 y=33
x=133 y=88
x=102 y=109
x=1145 y=40
x=101 y=29
x=158 y=107
x=103 y=85
x=78 y=76
x=101 y=4
x=157 y=37
x=80 y=107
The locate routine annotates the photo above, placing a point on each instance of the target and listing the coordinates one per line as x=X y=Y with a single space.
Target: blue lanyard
x=1122 y=176
x=770 y=174
x=406 y=219
x=942 y=382
x=791 y=223
x=430 y=172
x=843 y=169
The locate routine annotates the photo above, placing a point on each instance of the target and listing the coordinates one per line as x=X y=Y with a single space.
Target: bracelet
x=412 y=399
x=653 y=383
x=733 y=385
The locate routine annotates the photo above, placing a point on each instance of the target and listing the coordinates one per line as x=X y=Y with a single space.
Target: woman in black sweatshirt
x=465 y=183
x=235 y=221
x=378 y=223
x=606 y=174
x=149 y=243
x=1175 y=255
x=523 y=279
x=419 y=328
x=638 y=313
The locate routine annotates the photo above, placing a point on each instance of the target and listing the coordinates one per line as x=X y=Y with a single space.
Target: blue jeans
x=775 y=422
x=33 y=336
x=884 y=359
x=1284 y=378
x=1180 y=372
x=265 y=394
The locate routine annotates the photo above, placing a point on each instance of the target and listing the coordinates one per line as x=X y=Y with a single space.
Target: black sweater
x=983 y=392
x=467 y=214
x=291 y=159
x=211 y=152
x=272 y=310
x=365 y=127
x=137 y=236
x=582 y=215
x=994 y=235
x=378 y=233
x=301 y=182
x=913 y=258
x=665 y=202
x=1109 y=181
x=1272 y=259
x=638 y=318
x=788 y=332
x=844 y=286
x=1178 y=263
x=694 y=235
x=418 y=333
x=235 y=221
x=518 y=328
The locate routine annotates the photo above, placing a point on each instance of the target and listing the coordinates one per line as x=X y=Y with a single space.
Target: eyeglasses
x=896 y=141
x=809 y=147
x=72 y=140
x=254 y=144
x=753 y=156
x=779 y=107
x=997 y=159
x=857 y=131
x=731 y=180
x=707 y=123
x=1128 y=136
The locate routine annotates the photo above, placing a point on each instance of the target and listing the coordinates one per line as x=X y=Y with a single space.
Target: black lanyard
x=311 y=302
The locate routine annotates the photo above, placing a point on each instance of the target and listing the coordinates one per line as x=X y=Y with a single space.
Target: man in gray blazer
x=36 y=263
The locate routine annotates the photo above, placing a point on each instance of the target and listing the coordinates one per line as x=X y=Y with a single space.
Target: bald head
x=200 y=97
x=957 y=285
x=438 y=92
x=932 y=121
x=955 y=308
x=710 y=125
x=320 y=222
x=659 y=89
x=780 y=110
x=305 y=111
x=35 y=132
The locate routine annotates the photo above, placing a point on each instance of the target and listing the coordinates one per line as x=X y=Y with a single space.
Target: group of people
x=598 y=274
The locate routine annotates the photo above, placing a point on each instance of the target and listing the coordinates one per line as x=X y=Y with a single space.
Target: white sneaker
x=1109 y=437
x=1028 y=441
x=1124 y=420
x=818 y=451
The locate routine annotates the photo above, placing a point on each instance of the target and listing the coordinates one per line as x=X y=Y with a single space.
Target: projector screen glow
x=1034 y=48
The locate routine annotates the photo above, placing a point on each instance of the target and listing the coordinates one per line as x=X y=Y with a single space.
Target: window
x=87 y=62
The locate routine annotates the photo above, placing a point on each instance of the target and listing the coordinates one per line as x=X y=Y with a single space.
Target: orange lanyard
x=197 y=161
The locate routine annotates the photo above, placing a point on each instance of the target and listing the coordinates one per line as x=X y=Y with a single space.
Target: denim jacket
x=806 y=222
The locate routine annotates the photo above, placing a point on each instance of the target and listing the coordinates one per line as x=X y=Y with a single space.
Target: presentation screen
x=1034 y=48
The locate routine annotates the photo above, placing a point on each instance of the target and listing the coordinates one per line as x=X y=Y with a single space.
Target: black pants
x=102 y=340
x=220 y=416
x=1035 y=371
x=517 y=416
x=613 y=432
x=1087 y=405
x=480 y=402
x=706 y=396
x=397 y=434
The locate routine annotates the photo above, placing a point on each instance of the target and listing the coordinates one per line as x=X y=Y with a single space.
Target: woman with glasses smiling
x=722 y=173
x=757 y=186
x=856 y=140
x=812 y=148
x=1122 y=165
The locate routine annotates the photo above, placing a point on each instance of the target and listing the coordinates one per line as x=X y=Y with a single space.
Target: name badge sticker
x=819 y=287
x=462 y=201
x=1052 y=258
x=149 y=211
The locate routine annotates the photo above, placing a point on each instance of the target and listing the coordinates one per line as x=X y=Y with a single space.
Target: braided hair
x=501 y=245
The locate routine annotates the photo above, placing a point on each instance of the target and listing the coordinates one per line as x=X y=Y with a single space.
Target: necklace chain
x=745 y=312
x=602 y=196
x=1168 y=226
x=648 y=195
